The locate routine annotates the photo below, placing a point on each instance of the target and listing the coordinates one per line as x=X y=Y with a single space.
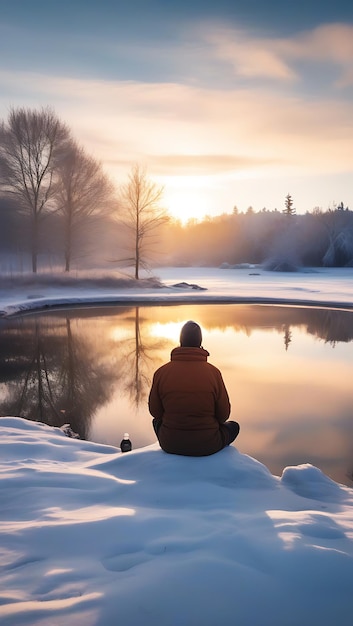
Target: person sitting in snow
x=189 y=401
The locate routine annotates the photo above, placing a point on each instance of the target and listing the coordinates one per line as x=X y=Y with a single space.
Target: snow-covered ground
x=90 y=536
x=309 y=287
x=93 y=537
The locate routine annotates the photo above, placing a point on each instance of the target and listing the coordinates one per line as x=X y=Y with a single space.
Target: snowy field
x=310 y=287
x=93 y=537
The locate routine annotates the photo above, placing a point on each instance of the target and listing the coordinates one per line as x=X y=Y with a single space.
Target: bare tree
x=142 y=215
x=84 y=194
x=31 y=145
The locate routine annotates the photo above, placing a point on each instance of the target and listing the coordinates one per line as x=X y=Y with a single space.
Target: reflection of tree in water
x=138 y=360
x=53 y=375
x=330 y=325
x=84 y=384
x=287 y=336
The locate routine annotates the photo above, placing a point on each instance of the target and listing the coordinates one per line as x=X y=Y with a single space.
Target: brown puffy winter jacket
x=189 y=396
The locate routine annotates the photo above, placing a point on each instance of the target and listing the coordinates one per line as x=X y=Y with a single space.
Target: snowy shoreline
x=56 y=304
x=326 y=288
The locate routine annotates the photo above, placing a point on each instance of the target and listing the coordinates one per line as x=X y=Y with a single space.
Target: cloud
x=275 y=57
x=205 y=164
x=329 y=43
x=250 y=57
x=178 y=128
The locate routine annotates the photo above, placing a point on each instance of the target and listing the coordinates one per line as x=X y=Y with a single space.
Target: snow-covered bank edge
x=330 y=288
x=168 y=298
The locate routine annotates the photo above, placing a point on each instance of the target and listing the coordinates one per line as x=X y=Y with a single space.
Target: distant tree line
x=59 y=209
x=278 y=240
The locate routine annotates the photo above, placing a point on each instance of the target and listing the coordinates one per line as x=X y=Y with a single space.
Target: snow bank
x=325 y=287
x=94 y=537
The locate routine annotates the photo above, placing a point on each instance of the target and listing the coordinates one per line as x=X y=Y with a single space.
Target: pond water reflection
x=288 y=371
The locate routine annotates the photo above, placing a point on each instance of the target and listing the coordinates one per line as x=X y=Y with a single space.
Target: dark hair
x=191 y=335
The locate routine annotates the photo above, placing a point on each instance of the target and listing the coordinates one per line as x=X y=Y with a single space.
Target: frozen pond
x=288 y=371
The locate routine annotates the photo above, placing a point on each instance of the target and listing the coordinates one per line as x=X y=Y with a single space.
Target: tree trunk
x=137 y=242
x=34 y=262
x=68 y=245
x=34 y=244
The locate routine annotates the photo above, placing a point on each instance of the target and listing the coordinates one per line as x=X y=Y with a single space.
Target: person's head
x=191 y=335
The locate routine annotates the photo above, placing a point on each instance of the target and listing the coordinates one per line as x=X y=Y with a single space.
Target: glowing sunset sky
x=225 y=102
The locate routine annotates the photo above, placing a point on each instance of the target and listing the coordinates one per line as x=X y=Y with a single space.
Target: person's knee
x=233 y=429
x=156 y=423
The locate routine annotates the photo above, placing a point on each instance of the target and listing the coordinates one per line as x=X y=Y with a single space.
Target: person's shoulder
x=162 y=368
x=214 y=369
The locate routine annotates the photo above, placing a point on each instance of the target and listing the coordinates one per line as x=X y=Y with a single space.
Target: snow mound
x=92 y=536
x=310 y=482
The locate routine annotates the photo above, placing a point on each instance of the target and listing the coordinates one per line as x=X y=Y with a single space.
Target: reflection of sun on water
x=118 y=333
x=170 y=330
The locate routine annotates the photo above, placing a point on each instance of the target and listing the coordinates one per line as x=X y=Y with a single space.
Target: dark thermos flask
x=125 y=444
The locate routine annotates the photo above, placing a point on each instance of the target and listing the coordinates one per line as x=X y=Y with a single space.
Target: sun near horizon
x=188 y=198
